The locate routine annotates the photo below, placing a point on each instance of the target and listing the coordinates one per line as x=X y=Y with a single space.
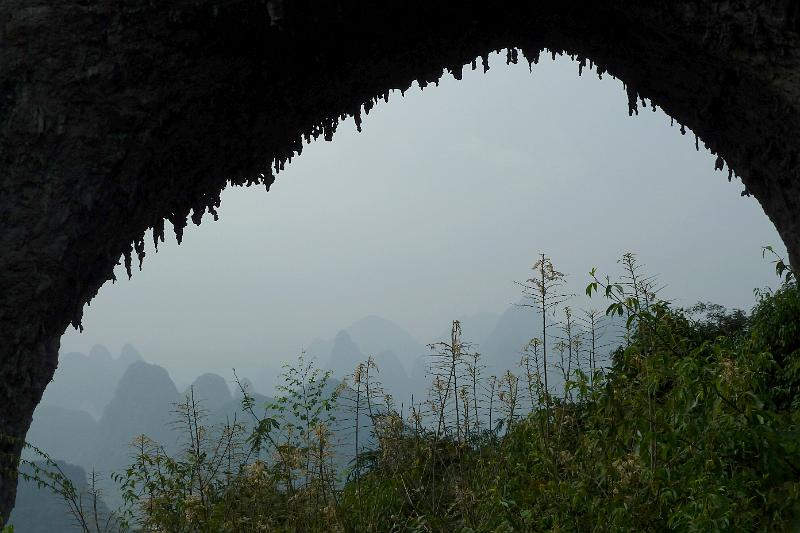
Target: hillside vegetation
x=691 y=426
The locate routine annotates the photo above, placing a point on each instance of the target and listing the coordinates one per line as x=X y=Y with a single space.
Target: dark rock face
x=115 y=117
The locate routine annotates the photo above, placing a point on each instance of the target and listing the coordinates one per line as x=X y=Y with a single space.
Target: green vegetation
x=692 y=426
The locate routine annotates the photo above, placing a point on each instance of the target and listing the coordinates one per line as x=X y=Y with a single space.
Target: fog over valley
x=430 y=215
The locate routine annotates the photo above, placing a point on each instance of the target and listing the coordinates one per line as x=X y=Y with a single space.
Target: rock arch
x=115 y=117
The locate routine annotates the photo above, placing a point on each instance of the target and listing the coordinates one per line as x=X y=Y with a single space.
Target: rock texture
x=118 y=116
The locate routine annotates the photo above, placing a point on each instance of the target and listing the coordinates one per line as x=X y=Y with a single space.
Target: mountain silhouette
x=374 y=334
x=319 y=350
x=144 y=403
x=128 y=355
x=87 y=382
x=211 y=391
x=346 y=355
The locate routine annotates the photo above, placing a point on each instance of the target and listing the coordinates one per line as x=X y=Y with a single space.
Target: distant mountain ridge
x=346 y=355
x=375 y=334
x=212 y=390
x=144 y=402
x=98 y=403
x=87 y=382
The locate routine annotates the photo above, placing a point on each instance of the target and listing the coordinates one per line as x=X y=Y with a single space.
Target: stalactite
x=329 y=131
x=357 y=119
x=512 y=56
x=633 y=105
x=158 y=232
x=197 y=214
x=536 y=56
x=139 y=247
x=269 y=179
x=127 y=253
x=77 y=320
x=178 y=224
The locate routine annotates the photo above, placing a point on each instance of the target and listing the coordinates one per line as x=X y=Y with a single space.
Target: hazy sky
x=431 y=213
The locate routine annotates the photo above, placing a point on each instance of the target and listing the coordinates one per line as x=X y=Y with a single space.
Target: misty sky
x=431 y=213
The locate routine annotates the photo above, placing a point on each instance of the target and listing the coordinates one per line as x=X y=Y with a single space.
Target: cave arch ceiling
x=129 y=117
x=117 y=118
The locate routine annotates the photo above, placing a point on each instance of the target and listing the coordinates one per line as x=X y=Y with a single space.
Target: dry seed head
x=729 y=371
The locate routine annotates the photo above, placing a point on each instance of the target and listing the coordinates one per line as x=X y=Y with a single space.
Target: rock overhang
x=117 y=118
